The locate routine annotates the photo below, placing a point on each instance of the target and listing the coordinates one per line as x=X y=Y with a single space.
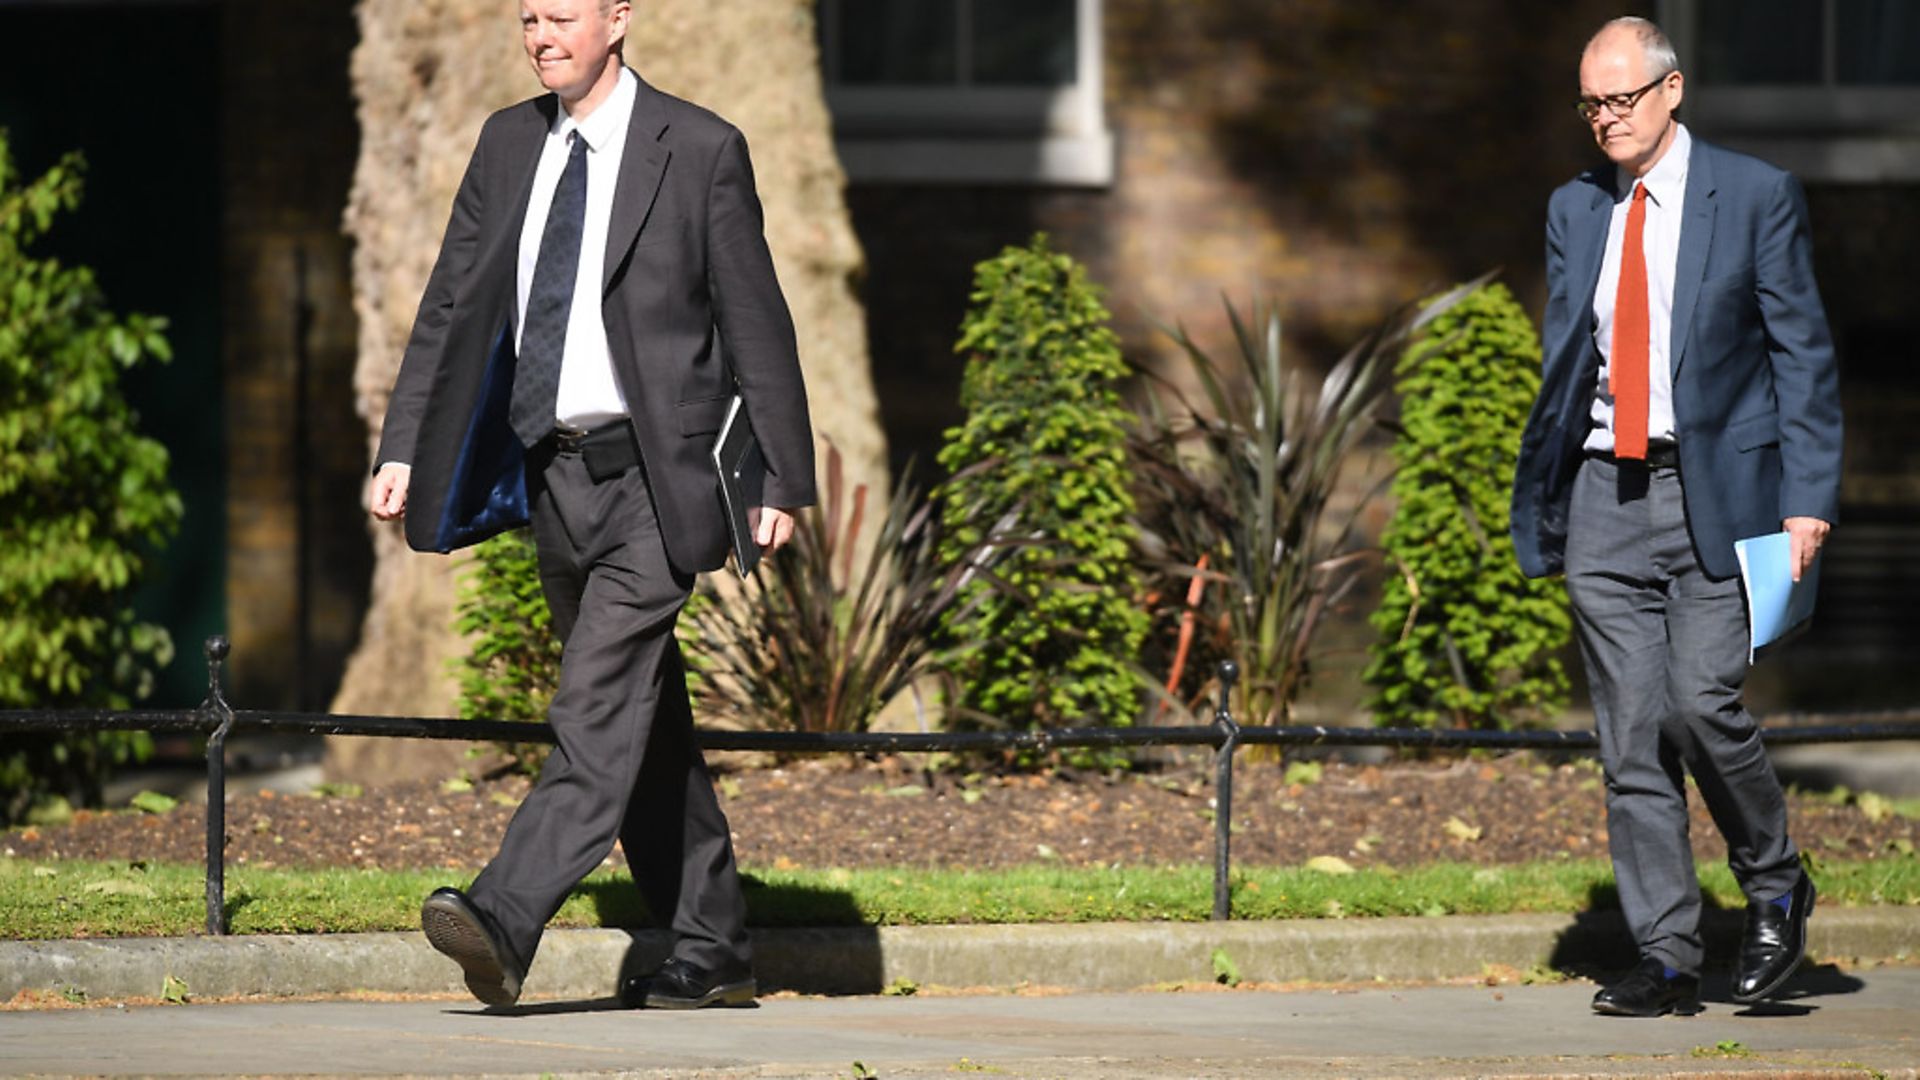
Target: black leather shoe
x=1773 y=944
x=682 y=984
x=465 y=933
x=1648 y=991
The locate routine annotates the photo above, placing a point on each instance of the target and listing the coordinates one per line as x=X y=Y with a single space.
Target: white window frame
x=1822 y=133
x=961 y=134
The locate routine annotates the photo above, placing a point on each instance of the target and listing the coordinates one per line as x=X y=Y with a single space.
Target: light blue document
x=1777 y=605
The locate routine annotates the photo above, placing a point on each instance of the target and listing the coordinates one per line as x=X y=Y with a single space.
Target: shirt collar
x=1667 y=180
x=606 y=121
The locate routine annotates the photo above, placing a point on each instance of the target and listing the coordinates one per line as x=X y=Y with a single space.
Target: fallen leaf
x=1329 y=864
x=153 y=802
x=115 y=887
x=1460 y=830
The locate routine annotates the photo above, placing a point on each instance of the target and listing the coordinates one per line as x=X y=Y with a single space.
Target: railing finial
x=1229 y=674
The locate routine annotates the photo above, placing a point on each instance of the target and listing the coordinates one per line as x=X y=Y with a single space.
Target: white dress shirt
x=1666 y=185
x=588 y=395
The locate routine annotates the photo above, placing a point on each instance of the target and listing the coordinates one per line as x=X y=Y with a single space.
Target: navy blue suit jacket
x=1756 y=396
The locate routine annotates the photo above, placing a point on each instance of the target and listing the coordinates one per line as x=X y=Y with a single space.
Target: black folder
x=742 y=474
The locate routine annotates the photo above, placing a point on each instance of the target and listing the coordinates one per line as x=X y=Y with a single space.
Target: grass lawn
x=61 y=899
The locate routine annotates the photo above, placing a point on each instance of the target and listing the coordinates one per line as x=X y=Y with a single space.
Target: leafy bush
x=808 y=644
x=84 y=499
x=1246 y=482
x=1044 y=448
x=512 y=665
x=1465 y=639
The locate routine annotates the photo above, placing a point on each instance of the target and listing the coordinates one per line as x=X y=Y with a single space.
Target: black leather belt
x=1659 y=456
x=607 y=451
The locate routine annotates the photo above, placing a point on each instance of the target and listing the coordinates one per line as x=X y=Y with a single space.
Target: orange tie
x=1632 y=329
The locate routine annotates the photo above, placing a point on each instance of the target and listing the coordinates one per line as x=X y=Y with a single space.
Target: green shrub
x=1042 y=458
x=1465 y=639
x=84 y=499
x=1246 y=479
x=512 y=665
x=814 y=642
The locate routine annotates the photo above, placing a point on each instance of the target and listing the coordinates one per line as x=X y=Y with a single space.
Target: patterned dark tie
x=543 y=334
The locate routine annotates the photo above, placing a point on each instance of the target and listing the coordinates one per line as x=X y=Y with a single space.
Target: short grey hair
x=1654 y=45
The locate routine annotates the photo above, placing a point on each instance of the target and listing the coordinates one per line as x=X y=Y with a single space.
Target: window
x=1827 y=88
x=967 y=91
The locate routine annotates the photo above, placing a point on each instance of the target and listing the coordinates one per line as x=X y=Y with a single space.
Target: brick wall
x=1341 y=158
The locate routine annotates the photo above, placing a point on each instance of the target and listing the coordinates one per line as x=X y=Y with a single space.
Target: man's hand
x=772 y=527
x=1806 y=534
x=389 y=497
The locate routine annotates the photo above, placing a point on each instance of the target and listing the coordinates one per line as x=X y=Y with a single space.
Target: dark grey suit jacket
x=1756 y=398
x=692 y=309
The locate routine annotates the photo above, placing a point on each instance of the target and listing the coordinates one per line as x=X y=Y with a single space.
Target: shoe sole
x=454 y=931
x=730 y=994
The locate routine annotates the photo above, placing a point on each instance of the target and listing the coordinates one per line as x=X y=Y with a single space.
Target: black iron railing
x=216 y=719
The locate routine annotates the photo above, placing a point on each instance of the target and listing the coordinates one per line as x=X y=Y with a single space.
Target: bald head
x=1630 y=86
x=1655 y=50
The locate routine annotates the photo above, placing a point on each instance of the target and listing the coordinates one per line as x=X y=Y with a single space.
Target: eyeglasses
x=1617 y=104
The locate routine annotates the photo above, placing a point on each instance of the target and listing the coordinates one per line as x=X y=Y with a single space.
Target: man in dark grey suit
x=602 y=292
x=1688 y=399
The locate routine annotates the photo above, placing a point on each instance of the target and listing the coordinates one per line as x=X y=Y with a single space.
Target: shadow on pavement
x=1599 y=945
x=789 y=923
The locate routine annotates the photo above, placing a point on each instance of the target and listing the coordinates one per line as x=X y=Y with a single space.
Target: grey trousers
x=626 y=766
x=1666 y=654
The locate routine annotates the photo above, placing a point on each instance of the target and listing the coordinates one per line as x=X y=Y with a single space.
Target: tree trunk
x=426 y=74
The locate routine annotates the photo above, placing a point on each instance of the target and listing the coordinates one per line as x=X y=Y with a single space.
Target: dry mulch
x=824 y=813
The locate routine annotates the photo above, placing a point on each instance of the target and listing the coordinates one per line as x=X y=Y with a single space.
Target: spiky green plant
x=1247 y=480
x=815 y=641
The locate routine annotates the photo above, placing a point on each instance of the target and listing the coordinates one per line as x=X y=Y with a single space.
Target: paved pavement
x=1836 y=1022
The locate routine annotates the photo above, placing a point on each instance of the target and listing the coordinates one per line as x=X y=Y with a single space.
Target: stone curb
x=1089 y=956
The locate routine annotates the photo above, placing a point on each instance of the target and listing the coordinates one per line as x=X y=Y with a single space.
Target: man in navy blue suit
x=1688 y=399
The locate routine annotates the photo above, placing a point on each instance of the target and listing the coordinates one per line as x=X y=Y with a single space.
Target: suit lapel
x=1696 y=239
x=521 y=155
x=642 y=165
x=1590 y=230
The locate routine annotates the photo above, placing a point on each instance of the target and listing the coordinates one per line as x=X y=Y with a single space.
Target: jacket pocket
x=702 y=415
x=1755 y=431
